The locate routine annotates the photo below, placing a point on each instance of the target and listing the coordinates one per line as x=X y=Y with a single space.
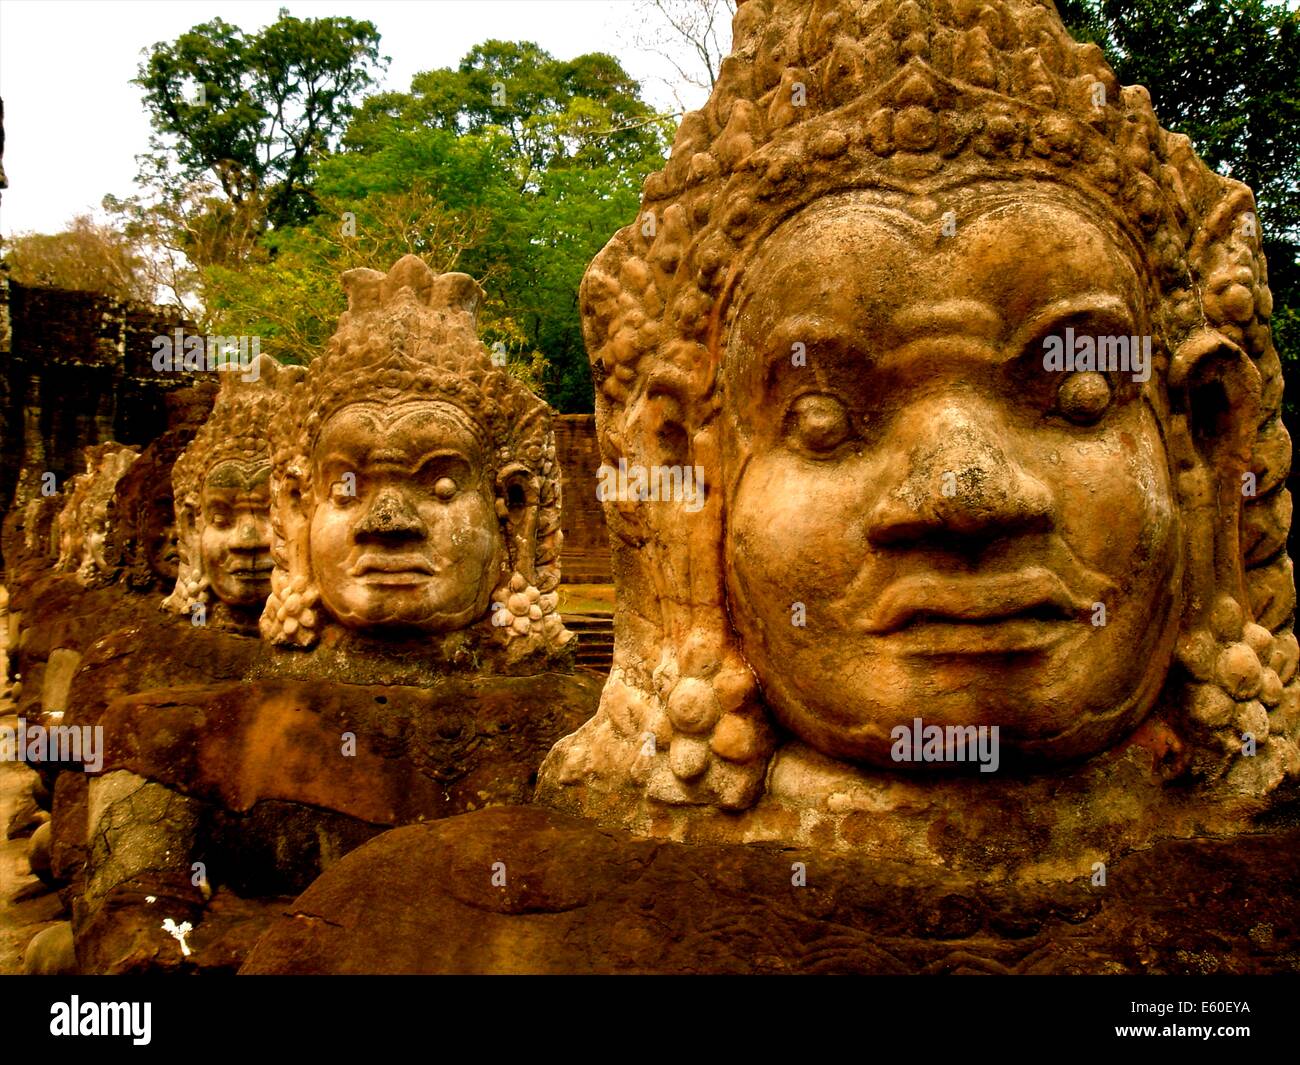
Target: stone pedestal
x=529 y=890
x=245 y=792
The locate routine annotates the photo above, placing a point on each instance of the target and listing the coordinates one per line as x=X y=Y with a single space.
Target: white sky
x=74 y=123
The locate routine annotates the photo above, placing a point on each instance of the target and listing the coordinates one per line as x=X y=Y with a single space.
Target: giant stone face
x=235 y=533
x=977 y=539
x=404 y=531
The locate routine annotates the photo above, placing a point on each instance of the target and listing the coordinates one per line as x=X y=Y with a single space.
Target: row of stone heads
x=403 y=484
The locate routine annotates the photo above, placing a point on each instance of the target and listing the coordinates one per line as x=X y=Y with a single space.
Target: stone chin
x=972 y=539
x=238 y=591
x=433 y=605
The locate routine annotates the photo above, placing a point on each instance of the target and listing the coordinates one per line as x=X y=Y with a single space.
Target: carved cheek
x=1117 y=504
x=331 y=535
x=796 y=527
x=463 y=530
x=212 y=547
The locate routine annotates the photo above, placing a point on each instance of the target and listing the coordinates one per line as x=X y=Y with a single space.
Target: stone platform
x=529 y=890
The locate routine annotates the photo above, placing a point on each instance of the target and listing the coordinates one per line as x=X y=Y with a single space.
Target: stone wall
x=76 y=368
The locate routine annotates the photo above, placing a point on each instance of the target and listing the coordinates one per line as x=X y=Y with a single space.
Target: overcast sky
x=74 y=123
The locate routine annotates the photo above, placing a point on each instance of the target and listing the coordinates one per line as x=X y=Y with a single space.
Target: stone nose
x=251 y=535
x=391 y=516
x=959 y=477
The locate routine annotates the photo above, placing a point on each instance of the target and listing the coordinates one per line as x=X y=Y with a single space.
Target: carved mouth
x=393 y=571
x=259 y=570
x=981 y=614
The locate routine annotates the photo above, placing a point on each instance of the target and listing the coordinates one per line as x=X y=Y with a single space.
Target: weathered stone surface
x=38 y=852
x=58 y=613
x=580 y=899
x=78 y=373
x=416 y=488
x=57 y=679
x=969 y=364
x=266 y=783
x=158 y=651
x=419 y=752
x=28 y=540
x=50 y=953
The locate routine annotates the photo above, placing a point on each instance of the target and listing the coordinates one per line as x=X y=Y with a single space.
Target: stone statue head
x=222 y=497
x=143 y=539
x=417 y=495
x=975 y=360
x=82 y=526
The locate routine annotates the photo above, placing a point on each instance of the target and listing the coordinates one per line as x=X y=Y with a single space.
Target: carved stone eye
x=1083 y=397
x=818 y=423
x=444 y=488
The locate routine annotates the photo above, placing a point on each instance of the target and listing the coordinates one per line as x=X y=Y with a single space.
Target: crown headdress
x=407 y=335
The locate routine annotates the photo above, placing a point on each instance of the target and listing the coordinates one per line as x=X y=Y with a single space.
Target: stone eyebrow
x=964 y=316
x=811 y=331
x=1100 y=304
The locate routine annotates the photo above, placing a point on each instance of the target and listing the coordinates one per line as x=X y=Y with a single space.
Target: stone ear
x=660 y=416
x=519 y=492
x=1214 y=395
x=1214 y=384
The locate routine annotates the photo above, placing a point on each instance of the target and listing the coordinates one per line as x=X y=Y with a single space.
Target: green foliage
x=272 y=103
x=515 y=168
x=1227 y=74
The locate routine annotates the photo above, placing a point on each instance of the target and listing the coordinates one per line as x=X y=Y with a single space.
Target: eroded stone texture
x=838 y=303
x=156 y=651
x=527 y=890
x=268 y=783
x=417 y=497
x=81 y=528
x=222 y=501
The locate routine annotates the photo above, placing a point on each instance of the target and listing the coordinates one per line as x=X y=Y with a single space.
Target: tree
x=288 y=294
x=255 y=111
x=551 y=153
x=85 y=257
x=581 y=112
x=693 y=36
